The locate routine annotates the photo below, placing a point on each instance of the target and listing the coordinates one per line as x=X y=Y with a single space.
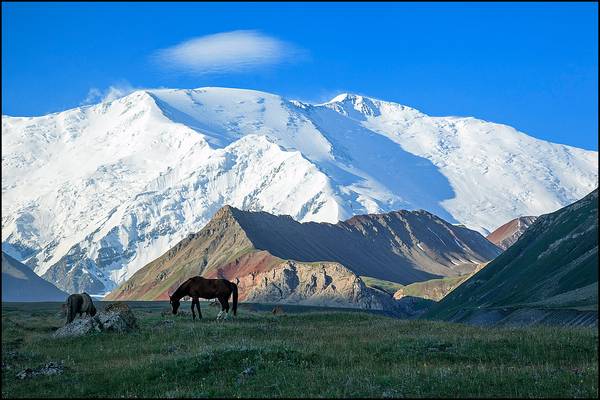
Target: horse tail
x=234 y=289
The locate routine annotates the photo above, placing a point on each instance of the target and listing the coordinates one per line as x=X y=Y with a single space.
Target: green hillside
x=553 y=265
x=381 y=284
x=434 y=289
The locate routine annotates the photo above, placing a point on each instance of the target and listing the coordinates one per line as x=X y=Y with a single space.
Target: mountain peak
x=358 y=107
x=342 y=97
x=225 y=212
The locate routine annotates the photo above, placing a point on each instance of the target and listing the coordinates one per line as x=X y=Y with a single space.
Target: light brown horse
x=197 y=287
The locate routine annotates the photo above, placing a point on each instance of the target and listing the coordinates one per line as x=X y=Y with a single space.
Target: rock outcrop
x=317 y=284
x=116 y=317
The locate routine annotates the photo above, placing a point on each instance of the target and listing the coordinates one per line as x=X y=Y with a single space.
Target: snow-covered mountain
x=92 y=194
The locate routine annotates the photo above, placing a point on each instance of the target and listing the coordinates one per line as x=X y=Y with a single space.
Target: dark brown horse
x=78 y=304
x=198 y=286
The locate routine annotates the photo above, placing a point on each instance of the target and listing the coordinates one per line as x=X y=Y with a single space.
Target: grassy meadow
x=307 y=352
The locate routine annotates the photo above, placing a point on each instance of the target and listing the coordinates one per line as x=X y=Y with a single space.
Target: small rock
x=247 y=372
x=51 y=368
x=26 y=373
x=577 y=371
x=117 y=319
x=166 y=313
x=11 y=355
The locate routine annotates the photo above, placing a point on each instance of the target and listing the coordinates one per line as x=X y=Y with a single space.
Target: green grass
x=433 y=289
x=427 y=289
x=313 y=353
x=381 y=284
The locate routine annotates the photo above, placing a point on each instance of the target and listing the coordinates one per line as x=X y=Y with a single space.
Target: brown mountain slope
x=239 y=245
x=506 y=235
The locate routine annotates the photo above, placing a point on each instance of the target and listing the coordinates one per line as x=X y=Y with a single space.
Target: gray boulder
x=116 y=317
x=79 y=327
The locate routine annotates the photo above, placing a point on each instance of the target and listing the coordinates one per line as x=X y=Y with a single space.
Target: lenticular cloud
x=235 y=51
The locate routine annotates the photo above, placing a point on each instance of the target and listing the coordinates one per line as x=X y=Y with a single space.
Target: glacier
x=92 y=194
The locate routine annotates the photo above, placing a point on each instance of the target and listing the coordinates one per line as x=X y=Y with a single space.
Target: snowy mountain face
x=92 y=194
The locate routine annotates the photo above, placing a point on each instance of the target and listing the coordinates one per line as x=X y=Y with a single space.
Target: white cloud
x=234 y=51
x=113 y=92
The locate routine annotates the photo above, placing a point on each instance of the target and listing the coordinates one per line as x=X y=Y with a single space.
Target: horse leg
x=193 y=312
x=198 y=308
x=223 y=302
x=226 y=307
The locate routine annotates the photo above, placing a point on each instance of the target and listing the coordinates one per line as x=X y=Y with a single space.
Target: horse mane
x=181 y=291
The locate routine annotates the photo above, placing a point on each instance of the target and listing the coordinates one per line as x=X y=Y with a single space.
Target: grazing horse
x=79 y=304
x=198 y=286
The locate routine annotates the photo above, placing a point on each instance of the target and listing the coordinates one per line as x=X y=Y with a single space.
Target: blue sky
x=533 y=66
